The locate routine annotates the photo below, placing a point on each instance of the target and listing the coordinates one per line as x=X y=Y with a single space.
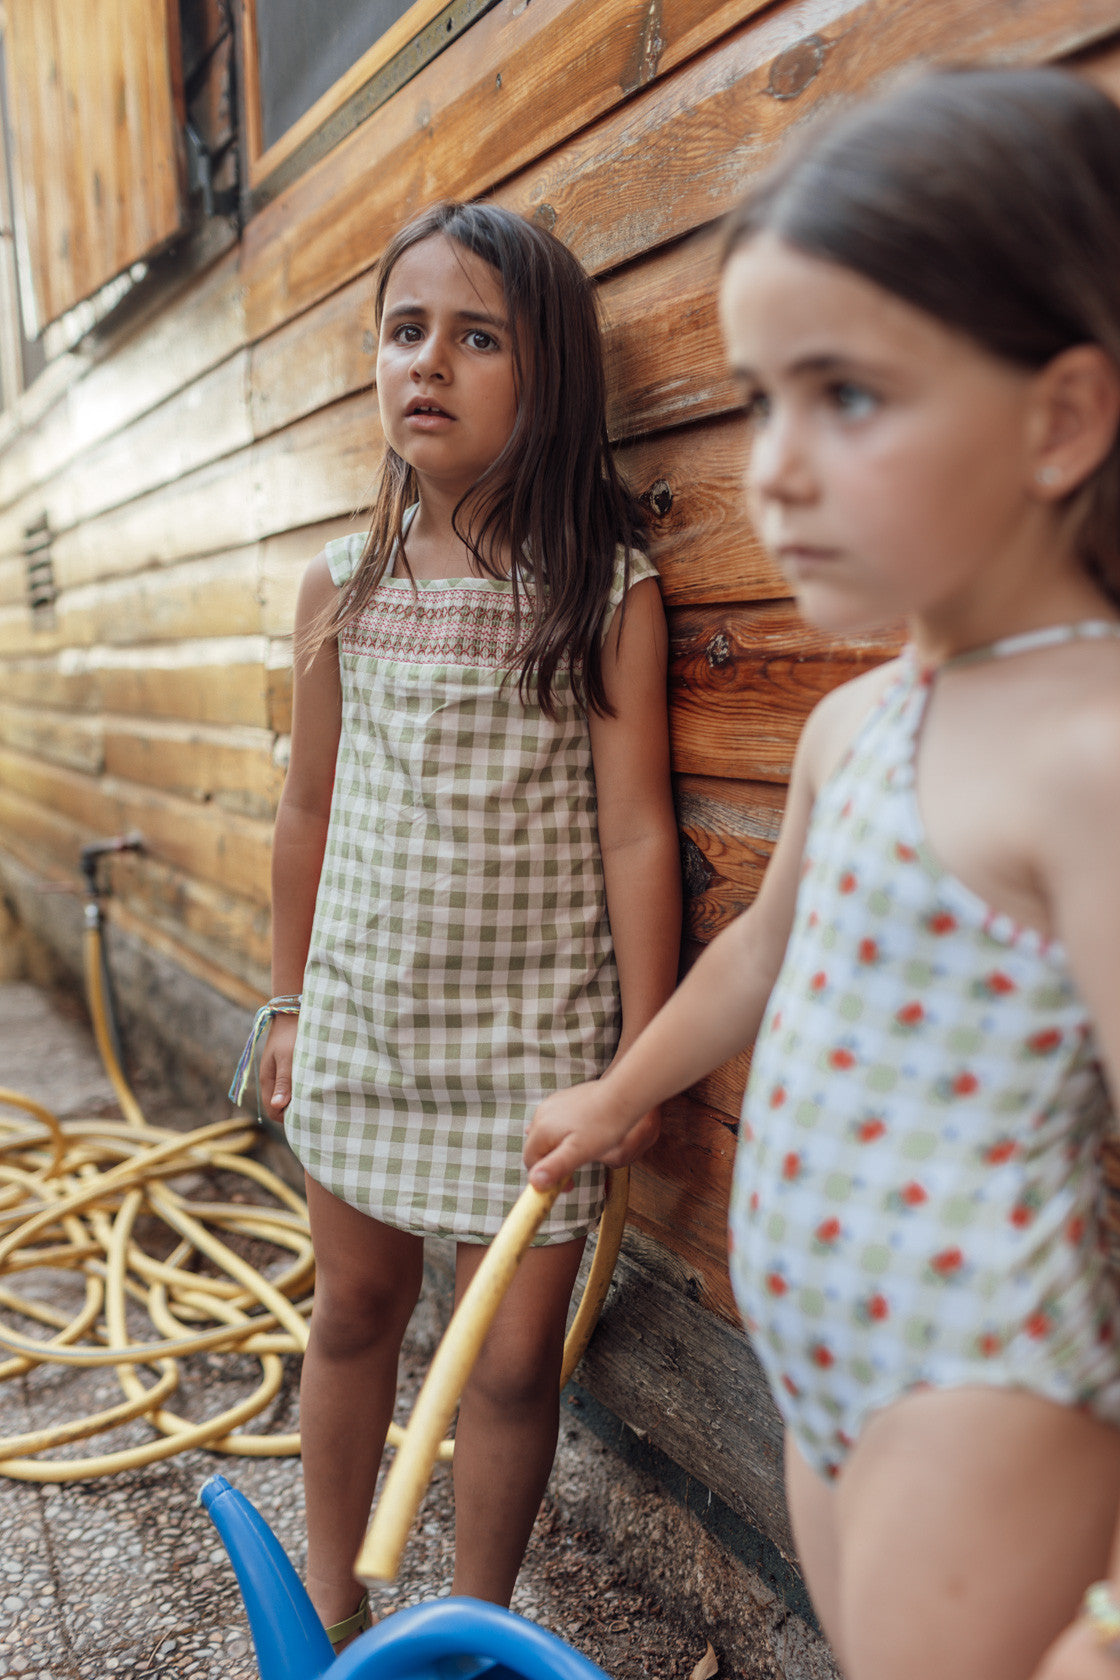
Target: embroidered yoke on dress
x=460 y=965
x=917 y=1195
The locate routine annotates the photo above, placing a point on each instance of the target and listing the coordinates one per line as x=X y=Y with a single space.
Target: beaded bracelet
x=261 y=1022
x=1101 y=1609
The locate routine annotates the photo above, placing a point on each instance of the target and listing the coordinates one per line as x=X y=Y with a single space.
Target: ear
x=1076 y=419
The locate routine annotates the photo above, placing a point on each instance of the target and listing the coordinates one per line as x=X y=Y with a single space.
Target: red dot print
x=1039 y=1325
x=911 y=1014
x=965 y=1084
x=1075 y=1230
x=848 y=882
x=790 y=1386
x=776 y=1283
x=777 y=1096
x=941 y=923
x=914 y=1194
x=791 y=1166
x=1000 y=984
x=989 y=1345
x=878 y=1308
x=871 y=1130
x=1005 y=1150
x=818 y=982
x=868 y=951
x=1021 y=1216
x=822 y=1356
x=828 y=1230
x=904 y=853
x=1045 y=1043
x=842 y=1059
x=949 y=1260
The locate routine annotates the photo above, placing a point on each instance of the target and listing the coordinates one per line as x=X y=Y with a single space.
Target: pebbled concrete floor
x=124 y=1575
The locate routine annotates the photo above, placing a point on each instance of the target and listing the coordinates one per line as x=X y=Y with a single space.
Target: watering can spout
x=289 y=1638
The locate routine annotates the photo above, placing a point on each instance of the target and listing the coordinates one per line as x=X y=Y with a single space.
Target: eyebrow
x=468 y=317
x=825 y=363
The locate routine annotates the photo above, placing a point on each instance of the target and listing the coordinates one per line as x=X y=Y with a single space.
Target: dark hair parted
x=990 y=199
x=553 y=499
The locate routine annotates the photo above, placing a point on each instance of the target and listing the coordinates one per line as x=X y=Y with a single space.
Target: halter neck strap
x=1052 y=635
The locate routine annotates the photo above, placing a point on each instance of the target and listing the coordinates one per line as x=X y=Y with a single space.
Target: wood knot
x=718 y=650
x=659 y=498
x=696 y=871
x=793 y=70
x=545 y=216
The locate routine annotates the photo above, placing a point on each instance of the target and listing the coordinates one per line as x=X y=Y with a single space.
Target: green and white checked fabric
x=460 y=965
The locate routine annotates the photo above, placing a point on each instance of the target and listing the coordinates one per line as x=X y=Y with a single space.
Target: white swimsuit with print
x=917 y=1196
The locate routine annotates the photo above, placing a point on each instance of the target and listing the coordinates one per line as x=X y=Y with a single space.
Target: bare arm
x=637 y=826
x=719 y=1007
x=300 y=835
x=1079 y=826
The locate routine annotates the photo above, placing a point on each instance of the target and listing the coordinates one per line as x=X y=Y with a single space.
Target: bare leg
x=367 y=1282
x=508 y=1420
x=813 y=1518
x=967 y=1524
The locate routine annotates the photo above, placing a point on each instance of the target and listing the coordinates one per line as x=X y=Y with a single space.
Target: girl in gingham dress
x=475 y=876
x=922 y=306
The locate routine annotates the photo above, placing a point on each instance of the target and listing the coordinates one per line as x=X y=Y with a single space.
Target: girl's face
x=889 y=465
x=445 y=374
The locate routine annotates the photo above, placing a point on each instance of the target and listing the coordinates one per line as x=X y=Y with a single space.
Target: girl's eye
x=756 y=406
x=406 y=333
x=480 y=340
x=854 y=401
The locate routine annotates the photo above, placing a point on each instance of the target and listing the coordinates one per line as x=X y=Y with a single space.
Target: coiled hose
x=73 y=1195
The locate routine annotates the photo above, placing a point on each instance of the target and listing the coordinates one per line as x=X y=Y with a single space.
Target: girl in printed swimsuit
x=922 y=306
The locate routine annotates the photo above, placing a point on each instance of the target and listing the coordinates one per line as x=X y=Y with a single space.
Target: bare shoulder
x=317 y=588
x=1076 y=746
x=836 y=720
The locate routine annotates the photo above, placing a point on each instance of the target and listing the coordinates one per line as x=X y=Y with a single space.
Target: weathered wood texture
x=96 y=116
x=190 y=463
x=663 y=1367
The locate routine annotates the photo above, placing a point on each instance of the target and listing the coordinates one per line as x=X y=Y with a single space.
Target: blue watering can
x=450 y=1639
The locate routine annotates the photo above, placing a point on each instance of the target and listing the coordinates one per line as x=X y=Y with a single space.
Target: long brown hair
x=553 y=499
x=990 y=199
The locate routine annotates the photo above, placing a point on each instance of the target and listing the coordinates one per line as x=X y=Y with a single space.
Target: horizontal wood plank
x=72 y=741
x=742 y=681
x=700 y=537
x=728 y=830
x=228 y=850
x=679 y=1192
x=234 y=768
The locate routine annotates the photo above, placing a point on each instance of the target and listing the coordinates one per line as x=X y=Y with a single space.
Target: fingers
x=640 y=1138
x=557 y=1167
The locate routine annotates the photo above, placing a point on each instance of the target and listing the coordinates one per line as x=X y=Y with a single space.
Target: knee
x=354 y=1315
x=522 y=1377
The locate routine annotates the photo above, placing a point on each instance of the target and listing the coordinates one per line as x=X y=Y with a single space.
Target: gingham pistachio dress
x=460 y=965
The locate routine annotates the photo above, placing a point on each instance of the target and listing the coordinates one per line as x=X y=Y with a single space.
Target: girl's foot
x=342 y=1633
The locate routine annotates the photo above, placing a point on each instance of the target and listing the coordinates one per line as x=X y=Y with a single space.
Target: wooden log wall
x=189 y=468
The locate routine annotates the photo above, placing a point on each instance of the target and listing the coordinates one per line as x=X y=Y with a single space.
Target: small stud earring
x=1048 y=476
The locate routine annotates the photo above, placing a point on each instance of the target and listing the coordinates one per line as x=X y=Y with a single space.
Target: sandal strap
x=357 y=1623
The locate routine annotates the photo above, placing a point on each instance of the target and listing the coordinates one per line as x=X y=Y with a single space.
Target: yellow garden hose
x=73 y=1195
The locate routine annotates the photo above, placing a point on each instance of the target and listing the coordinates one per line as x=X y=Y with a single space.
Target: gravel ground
x=124 y=1576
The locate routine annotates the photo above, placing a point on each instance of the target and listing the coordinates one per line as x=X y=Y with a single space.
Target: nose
x=430 y=360
x=778 y=464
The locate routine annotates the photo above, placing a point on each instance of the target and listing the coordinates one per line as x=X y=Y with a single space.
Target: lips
x=425 y=406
